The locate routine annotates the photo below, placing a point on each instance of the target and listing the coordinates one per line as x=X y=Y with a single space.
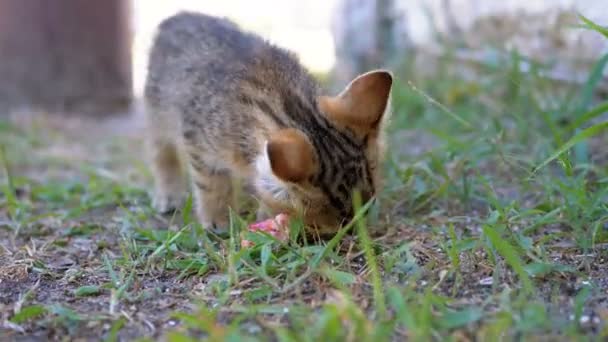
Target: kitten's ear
x=291 y=155
x=362 y=103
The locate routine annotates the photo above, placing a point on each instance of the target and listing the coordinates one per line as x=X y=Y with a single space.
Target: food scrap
x=278 y=227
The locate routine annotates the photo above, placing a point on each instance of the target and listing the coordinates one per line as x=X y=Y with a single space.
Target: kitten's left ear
x=362 y=104
x=291 y=155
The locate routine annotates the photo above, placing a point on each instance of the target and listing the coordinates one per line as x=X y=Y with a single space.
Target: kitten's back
x=194 y=51
x=227 y=88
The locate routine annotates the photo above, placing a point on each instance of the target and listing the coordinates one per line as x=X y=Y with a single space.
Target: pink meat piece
x=277 y=227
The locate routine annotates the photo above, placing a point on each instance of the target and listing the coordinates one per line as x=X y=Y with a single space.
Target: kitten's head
x=313 y=170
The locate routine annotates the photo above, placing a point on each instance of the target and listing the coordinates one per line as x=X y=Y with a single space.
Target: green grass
x=493 y=225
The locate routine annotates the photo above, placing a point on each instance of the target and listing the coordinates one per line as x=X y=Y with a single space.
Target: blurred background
x=90 y=57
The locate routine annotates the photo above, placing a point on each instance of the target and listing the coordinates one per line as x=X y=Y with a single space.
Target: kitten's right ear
x=291 y=155
x=361 y=106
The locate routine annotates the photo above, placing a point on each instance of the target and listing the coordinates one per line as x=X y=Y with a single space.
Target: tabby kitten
x=227 y=105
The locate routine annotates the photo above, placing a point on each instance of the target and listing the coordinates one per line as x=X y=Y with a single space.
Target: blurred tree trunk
x=369 y=34
x=385 y=31
x=66 y=56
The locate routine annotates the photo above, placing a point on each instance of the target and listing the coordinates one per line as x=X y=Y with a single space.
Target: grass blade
x=593 y=26
x=590 y=115
x=443 y=108
x=580 y=137
x=27 y=313
x=165 y=246
x=581 y=150
x=339 y=235
x=87 y=290
x=510 y=254
x=370 y=256
x=595 y=76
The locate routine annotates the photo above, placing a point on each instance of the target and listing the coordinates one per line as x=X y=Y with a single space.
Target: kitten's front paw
x=165 y=204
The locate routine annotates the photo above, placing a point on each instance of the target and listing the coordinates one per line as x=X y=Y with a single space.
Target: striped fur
x=223 y=104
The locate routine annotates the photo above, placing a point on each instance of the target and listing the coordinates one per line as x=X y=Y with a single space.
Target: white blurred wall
x=465 y=12
x=541 y=29
x=314 y=28
x=301 y=26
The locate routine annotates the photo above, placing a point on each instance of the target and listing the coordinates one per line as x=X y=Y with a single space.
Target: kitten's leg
x=170 y=181
x=213 y=194
x=170 y=184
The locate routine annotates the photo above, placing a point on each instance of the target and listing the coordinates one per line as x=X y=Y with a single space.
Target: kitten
x=223 y=104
